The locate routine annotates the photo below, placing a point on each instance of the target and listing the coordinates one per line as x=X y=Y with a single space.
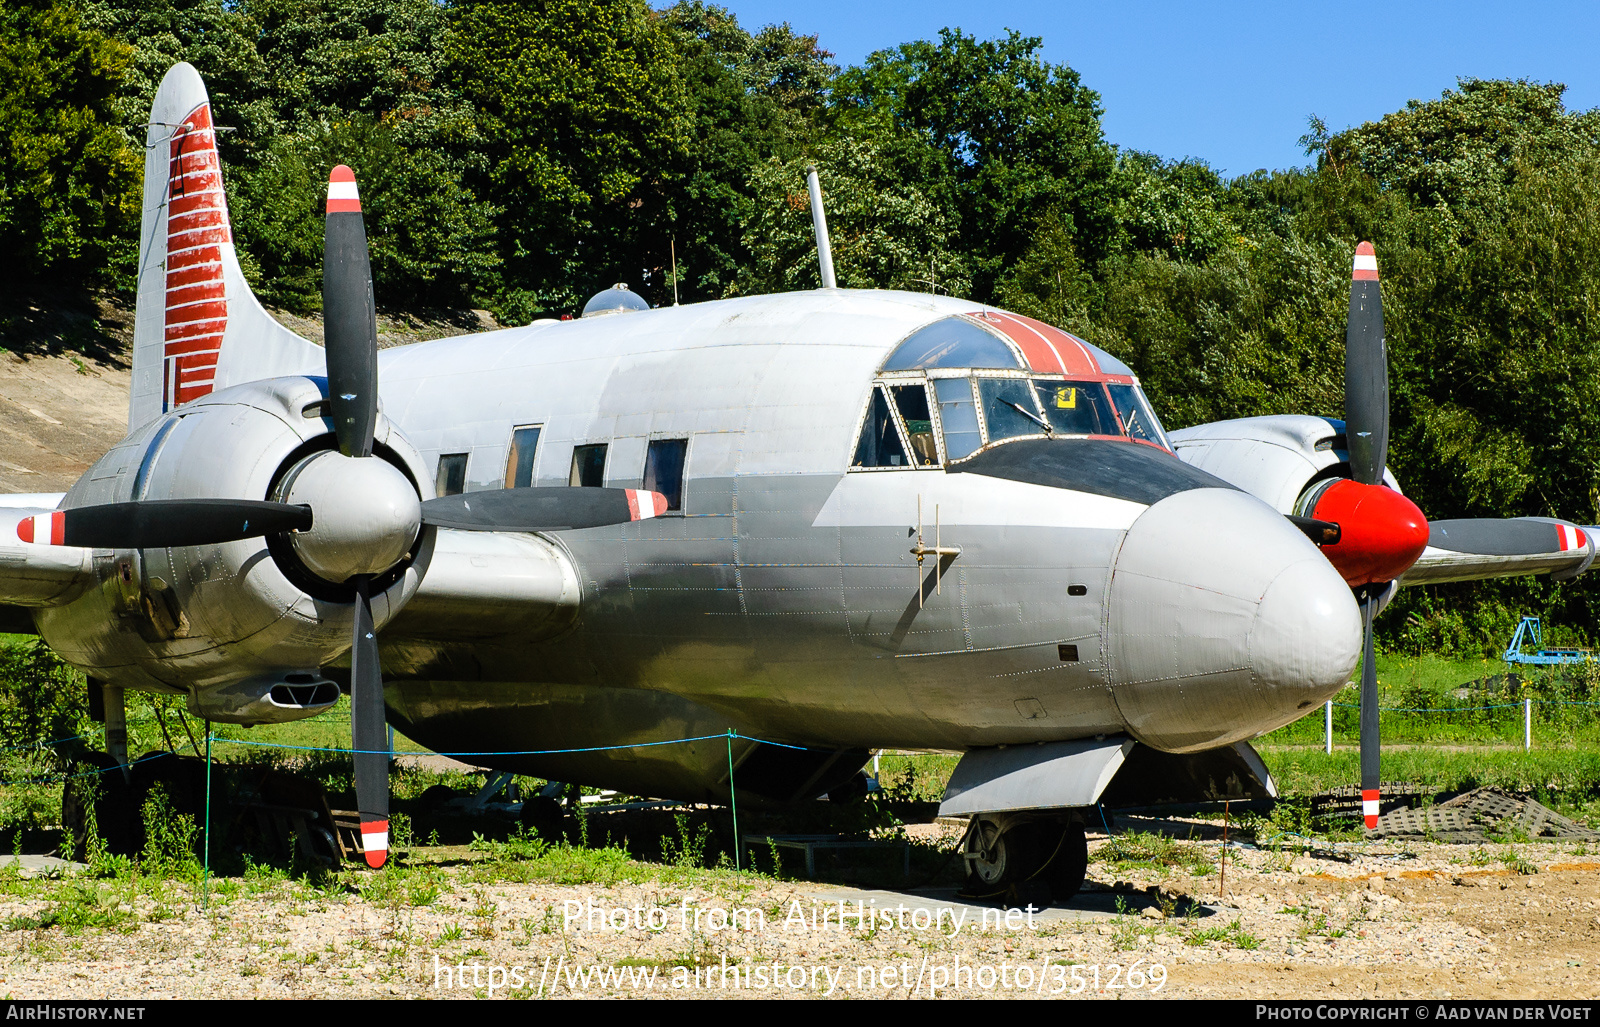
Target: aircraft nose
x=1224 y=621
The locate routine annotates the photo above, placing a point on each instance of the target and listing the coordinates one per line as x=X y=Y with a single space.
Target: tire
x=1009 y=858
x=545 y=817
x=1066 y=872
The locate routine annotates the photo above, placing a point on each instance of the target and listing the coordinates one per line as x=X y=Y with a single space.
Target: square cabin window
x=452 y=477
x=588 y=466
x=519 y=461
x=663 y=469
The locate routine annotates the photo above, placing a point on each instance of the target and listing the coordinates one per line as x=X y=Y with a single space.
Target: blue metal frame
x=1530 y=629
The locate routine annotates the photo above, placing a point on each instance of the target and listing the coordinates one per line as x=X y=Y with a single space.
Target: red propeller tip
x=1365 y=267
x=342 y=194
x=1381 y=532
x=1369 y=807
x=375 y=842
x=642 y=504
x=50 y=531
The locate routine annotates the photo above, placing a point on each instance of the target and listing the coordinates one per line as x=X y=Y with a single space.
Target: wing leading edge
x=1471 y=549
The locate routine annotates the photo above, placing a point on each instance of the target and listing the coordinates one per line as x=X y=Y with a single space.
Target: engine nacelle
x=195 y=618
x=1277 y=459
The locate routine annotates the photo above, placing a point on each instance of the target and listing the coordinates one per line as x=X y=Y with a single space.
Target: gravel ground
x=1362 y=920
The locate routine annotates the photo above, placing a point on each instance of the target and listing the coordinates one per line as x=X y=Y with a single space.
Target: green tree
x=885 y=233
x=751 y=98
x=68 y=175
x=584 y=119
x=994 y=134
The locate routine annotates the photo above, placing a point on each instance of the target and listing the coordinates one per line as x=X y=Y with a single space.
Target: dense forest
x=519 y=155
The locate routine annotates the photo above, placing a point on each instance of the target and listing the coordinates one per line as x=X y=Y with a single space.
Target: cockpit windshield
x=1077 y=408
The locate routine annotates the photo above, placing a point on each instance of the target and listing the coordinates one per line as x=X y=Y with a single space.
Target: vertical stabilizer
x=198 y=327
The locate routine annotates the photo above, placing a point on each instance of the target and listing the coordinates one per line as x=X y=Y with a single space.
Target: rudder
x=198 y=325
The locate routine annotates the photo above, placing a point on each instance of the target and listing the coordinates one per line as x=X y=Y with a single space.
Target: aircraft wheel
x=1071 y=863
x=999 y=858
x=544 y=816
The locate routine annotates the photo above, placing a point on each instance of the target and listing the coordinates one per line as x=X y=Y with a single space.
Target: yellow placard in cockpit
x=1066 y=399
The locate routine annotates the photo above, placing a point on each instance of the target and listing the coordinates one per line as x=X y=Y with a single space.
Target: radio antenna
x=819 y=222
x=674 y=243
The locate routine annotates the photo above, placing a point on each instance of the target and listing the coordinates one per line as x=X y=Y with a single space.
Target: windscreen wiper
x=1030 y=415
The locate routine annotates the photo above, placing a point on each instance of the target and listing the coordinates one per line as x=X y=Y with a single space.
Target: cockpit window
x=912 y=403
x=879 y=445
x=1009 y=408
x=1138 y=419
x=959 y=416
x=1076 y=408
x=953 y=342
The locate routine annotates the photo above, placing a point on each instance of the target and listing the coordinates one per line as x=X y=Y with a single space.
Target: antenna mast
x=819 y=221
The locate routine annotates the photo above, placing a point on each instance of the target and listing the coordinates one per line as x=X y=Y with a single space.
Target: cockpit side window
x=1010 y=408
x=1077 y=408
x=911 y=401
x=1138 y=420
x=879 y=445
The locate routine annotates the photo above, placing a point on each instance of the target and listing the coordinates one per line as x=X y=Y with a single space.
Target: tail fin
x=198 y=326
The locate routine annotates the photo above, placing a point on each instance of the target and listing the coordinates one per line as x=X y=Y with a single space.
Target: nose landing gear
x=1025 y=860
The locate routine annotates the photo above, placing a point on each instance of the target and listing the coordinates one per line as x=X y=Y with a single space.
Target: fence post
x=1327 y=710
x=1527 y=725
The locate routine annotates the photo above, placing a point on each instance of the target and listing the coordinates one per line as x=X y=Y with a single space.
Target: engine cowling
x=1300 y=465
x=266 y=610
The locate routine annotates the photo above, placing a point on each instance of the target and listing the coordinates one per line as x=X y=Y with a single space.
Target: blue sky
x=1233 y=83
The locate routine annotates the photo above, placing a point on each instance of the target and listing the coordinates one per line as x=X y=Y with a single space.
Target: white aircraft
x=832 y=520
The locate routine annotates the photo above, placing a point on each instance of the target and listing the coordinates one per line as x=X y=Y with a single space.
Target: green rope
x=732 y=803
x=205 y=879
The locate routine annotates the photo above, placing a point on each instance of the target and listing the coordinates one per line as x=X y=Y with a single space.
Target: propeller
x=1381 y=533
x=158 y=523
x=349 y=515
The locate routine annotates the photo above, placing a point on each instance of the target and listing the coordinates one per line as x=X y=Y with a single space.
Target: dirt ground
x=1367 y=920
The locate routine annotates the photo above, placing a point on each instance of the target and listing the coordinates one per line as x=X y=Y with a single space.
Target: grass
x=1147 y=851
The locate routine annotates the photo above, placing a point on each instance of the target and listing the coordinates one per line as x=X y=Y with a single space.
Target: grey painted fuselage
x=783 y=601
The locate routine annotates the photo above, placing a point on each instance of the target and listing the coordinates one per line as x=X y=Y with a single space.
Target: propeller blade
x=350 y=327
x=1515 y=536
x=542 y=509
x=1369 y=713
x=158 y=523
x=368 y=733
x=1366 y=372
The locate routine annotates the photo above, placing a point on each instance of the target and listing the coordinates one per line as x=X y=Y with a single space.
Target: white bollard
x=1327 y=719
x=1527 y=725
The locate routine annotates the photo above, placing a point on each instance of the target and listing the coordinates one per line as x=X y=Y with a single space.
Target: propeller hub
x=1381 y=532
x=366 y=514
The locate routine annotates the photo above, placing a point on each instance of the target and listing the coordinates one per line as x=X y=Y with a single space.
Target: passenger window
x=912 y=403
x=1077 y=408
x=519 y=461
x=879 y=445
x=588 y=466
x=663 y=469
x=452 y=477
x=959 y=417
x=1009 y=408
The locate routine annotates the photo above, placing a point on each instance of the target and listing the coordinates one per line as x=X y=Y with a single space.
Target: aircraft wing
x=1466 y=550
x=34 y=575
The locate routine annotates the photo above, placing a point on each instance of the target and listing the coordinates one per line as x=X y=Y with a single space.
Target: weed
x=689 y=850
x=1232 y=933
x=1149 y=851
